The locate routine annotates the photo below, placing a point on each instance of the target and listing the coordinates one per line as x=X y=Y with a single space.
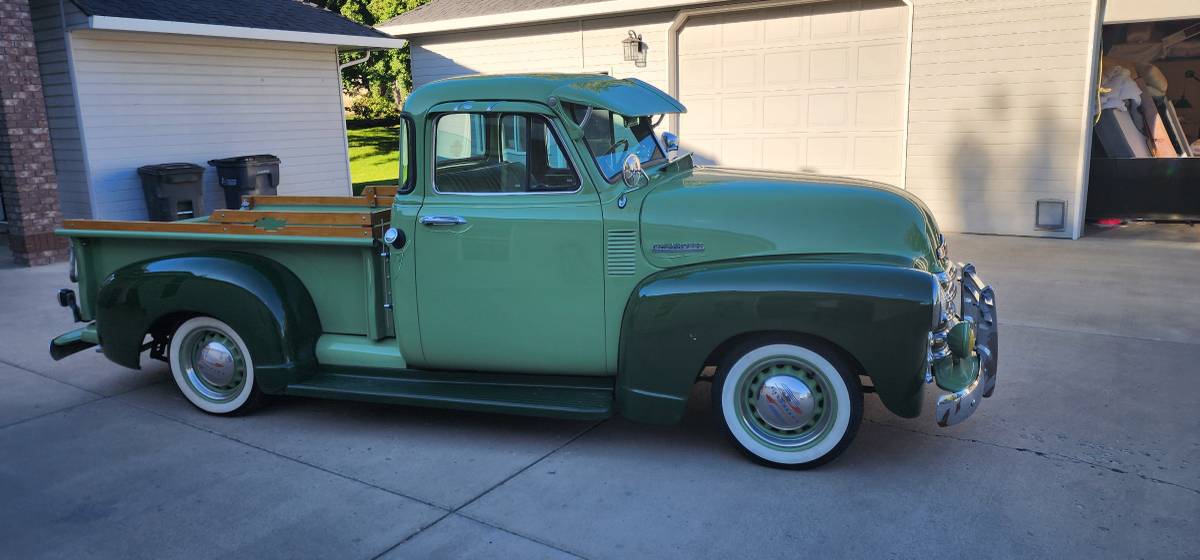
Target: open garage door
x=817 y=87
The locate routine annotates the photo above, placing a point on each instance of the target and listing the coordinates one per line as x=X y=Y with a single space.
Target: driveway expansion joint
x=448 y=512
x=282 y=456
x=1042 y=454
x=457 y=510
x=44 y=376
x=1098 y=333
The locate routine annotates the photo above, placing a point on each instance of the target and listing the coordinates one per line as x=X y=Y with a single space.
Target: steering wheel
x=613 y=147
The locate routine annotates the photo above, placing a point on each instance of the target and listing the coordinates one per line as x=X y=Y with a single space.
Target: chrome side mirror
x=670 y=141
x=633 y=174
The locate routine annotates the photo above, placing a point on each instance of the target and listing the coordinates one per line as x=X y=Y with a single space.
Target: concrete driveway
x=1090 y=448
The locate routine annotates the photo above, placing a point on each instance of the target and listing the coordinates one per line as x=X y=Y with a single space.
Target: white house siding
x=60 y=103
x=591 y=45
x=1125 y=11
x=546 y=48
x=603 y=51
x=148 y=98
x=998 y=105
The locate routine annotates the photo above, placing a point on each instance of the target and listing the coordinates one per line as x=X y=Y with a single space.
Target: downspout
x=354 y=62
x=342 y=107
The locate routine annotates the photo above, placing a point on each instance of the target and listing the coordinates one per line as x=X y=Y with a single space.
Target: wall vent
x=620 y=254
x=1050 y=215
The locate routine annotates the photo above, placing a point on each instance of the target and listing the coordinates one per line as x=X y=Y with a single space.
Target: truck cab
x=548 y=251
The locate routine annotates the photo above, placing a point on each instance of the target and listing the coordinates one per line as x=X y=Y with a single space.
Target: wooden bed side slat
x=372 y=197
x=213 y=227
x=301 y=218
x=255 y=200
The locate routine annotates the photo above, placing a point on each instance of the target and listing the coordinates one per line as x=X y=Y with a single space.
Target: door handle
x=443 y=221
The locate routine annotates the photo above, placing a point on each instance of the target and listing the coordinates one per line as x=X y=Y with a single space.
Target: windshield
x=611 y=138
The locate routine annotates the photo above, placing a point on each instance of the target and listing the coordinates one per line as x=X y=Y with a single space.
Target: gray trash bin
x=174 y=191
x=242 y=175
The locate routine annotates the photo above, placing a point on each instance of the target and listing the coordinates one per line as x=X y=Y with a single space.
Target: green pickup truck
x=546 y=252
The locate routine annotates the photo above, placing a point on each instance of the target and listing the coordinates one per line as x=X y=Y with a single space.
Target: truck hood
x=710 y=214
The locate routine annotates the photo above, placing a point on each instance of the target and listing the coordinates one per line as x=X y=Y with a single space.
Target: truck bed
x=329 y=242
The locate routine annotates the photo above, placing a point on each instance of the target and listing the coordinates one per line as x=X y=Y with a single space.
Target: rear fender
x=261 y=299
x=879 y=315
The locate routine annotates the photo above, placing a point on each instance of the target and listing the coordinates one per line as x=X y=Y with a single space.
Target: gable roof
x=439 y=16
x=278 y=20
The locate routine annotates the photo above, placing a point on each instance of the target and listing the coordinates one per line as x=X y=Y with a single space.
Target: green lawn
x=374 y=156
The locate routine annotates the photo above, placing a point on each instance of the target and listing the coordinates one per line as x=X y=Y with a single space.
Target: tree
x=380 y=84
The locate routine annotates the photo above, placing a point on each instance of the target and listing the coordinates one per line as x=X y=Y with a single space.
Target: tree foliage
x=378 y=86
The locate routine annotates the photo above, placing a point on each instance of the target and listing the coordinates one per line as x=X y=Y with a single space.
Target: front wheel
x=787 y=403
x=212 y=367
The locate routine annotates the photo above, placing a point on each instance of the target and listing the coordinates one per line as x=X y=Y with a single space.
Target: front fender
x=261 y=299
x=878 y=314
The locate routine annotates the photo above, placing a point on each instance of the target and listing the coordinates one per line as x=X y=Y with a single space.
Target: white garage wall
x=592 y=45
x=147 y=98
x=545 y=48
x=998 y=96
x=998 y=105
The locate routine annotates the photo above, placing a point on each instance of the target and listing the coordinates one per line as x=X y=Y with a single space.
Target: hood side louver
x=620 y=254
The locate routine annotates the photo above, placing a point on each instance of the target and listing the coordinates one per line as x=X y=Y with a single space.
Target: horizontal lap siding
x=997 y=108
x=538 y=48
x=593 y=45
x=162 y=98
x=60 y=104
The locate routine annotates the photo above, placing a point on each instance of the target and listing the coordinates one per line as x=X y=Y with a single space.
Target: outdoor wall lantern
x=635 y=49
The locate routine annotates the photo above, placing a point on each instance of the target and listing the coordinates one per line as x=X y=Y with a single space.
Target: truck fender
x=679 y=320
x=261 y=299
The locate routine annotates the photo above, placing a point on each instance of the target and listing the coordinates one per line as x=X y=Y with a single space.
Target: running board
x=575 y=397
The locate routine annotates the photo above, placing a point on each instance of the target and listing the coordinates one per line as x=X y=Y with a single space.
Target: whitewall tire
x=212 y=367
x=788 y=403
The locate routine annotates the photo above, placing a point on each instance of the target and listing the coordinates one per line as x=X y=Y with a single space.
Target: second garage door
x=805 y=88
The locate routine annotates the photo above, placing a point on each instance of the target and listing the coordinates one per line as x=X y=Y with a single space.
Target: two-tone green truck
x=547 y=253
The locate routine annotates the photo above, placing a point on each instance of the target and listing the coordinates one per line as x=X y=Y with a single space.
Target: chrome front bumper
x=977 y=304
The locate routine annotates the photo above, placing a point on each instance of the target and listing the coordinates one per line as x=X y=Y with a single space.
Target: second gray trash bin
x=174 y=191
x=242 y=175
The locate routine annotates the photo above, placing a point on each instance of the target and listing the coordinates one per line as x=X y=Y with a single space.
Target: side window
x=461 y=136
x=406 y=179
x=514 y=139
x=500 y=154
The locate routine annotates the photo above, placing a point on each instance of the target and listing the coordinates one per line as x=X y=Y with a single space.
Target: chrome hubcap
x=215 y=364
x=212 y=365
x=785 y=403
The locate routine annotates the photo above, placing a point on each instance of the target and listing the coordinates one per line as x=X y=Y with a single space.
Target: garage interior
x=1145 y=159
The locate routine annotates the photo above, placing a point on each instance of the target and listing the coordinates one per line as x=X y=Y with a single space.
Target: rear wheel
x=788 y=403
x=212 y=367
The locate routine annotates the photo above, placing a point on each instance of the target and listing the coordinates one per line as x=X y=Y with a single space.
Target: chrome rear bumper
x=978 y=305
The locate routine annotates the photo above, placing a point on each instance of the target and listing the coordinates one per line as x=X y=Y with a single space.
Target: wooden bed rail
x=366 y=218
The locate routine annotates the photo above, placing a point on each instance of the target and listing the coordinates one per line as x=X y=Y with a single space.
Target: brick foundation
x=27 y=179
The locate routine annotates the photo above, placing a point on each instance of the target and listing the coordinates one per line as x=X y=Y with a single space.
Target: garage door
x=807 y=88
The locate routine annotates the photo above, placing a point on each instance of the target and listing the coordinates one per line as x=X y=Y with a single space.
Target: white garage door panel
x=813 y=88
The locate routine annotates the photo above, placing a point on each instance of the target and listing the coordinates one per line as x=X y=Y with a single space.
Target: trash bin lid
x=178 y=168
x=244 y=161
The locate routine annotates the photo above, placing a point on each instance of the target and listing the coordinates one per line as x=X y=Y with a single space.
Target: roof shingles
x=282 y=15
x=438 y=10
